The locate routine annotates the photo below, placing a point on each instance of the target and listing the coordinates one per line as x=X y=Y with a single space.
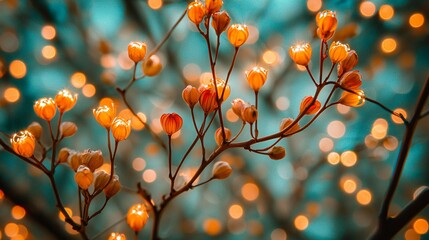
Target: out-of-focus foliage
x=335 y=173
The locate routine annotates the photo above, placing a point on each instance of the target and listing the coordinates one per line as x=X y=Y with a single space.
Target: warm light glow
x=278 y=234
x=149 y=176
x=343 y=109
x=348 y=185
x=300 y=68
x=69 y=228
x=235 y=211
x=136 y=122
x=108 y=61
x=379 y=128
x=106 y=102
x=364 y=197
x=370 y=141
x=250 y=191
x=301 y=222
x=326 y=144
x=397 y=119
x=78 y=79
x=231 y=116
x=388 y=45
x=61 y=215
x=18 y=212
x=1 y=194
x=421 y=226
x=11 y=94
x=48 y=32
x=333 y=158
x=271 y=57
x=336 y=129
x=410 y=234
x=49 y=52
x=88 y=90
x=390 y=143
x=416 y=20
x=386 y=12
x=154 y=4
x=282 y=103
x=348 y=158
x=17 y=69
x=191 y=72
x=11 y=230
x=314 y=5
x=367 y=9
x=139 y=164
x=212 y=226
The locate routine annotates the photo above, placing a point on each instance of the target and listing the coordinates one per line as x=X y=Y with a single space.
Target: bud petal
x=238 y=34
x=101 y=180
x=191 y=95
x=250 y=114
x=213 y=5
x=327 y=24
x=238 y=106
x=63 y=155
x=315 y=106
x=286 y=122
x=65 y=100
x=351 y=80
x=36 y=129
x=352 y=99
x=105 y=115
x=221 y=170
x=219 y=136
x=277 y=153
x=208 y=100
x=349 y=63
x=338 y=52
x=220 y=21
x=45 y=108
x=300 y=53
x=152 y=66
x=68 y=129
x=256 y=77
x=113 y=187
x=23 y=143
x=196 y=12
x=137 y=217
x=83 y=177
x=171 y=123
x=121 y=128
x=136 y=51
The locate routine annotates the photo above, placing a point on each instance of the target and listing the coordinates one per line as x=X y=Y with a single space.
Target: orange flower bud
x=221 y=170
x=92 y=159
x=171 y=123
x=63 y=155
x=286 y=122
x=238 y=106
x=45 y=108
x=196 y=12
x=152 y=66
x=105 y=115
x=208 y=100
x=23 y=143
x=213 y=5
x=65 y=100
x=101 y=180
x=121 y=128
x=352 y=99
x=256 y=77
x=312 y=109
x=220 y=21
x=191 y=95
x=220 y=84
x=83 y=177
x=219 y=136
x=74 y=160
x=351 y=80
x=113 y=188
x=117 y=236
x=68 y=129
x=238 y=34
x=250 y=114
x=327 y=24
x=338 y=52
x=137 y=217
x=349 y=63
x=136 y=51
x=277 y=153
x=36 y=129
x=300 y=53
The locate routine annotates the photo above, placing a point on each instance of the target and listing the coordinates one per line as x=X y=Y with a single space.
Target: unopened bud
x=152 y=66
x=75 y=160
x=219 y=136
x=220 y=21
x=349 y=63
x=84 y=177
x=277 y=153
x=137 y=217
x=250 y=114
x=101 y=180
x=36 y=129
x=238 y=106
x=351 y=80
x=191 y=95
x=286 y=122
x=63 y=155
x=221 y=170
x=68 y=129
x=92 y=159
x=113 y=187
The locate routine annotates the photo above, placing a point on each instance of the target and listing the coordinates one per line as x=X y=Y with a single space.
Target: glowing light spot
x=271 y=57
x=18 y=212
x=108 y=61
x=326 y=144
x=124 y=61
x=253 y=34
x=421 y=226
x=314 y=5
x=11 y=230
x=61 y=215
x=390 y=143
x=1 y=194
x=379 y=128
x=333 y=158
x=155 y=4
x=370 y=141
x=212 y=226
x=367 y=9
x=69 y=227
x=397 y=119
x=17 y=69
x=48 y=32
x=139 y=164
x=336 y=129
x=136 y=122
x=149 y=176
x=348 y=184
x=300 y=68
x=282 y=103
x=116 y=236
x=78 y=79
x=343 y=109
x=250 y=191
x=364 y=197
x=301 y=222
x=11 y=94
x=49 y=52
x=9 y=41
x=348 y=158
x=191 y=72
x=410 y=234
x=416 y=20
x=386 y=12
x=235 y=211
x=388 y=45
x=231 y=116
x=88 y=90
x=278 y=234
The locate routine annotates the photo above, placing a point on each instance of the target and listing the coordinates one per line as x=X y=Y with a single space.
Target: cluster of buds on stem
x=105 y=115
x=151 y=65
x=46 y=108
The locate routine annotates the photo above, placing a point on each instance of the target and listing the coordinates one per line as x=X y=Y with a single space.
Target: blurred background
x=334 y=177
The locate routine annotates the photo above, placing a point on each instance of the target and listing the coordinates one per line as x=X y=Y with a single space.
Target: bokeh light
x=11 y=94
x=367 y=9
x=301 y=222
x=388 y=45
x=386 y=12
x=48 y=32
x=17 y=69
x=416 y=20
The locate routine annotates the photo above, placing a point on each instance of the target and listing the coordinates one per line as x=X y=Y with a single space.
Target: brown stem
x=170 y=175
x=311 y=75
x=256 y=122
